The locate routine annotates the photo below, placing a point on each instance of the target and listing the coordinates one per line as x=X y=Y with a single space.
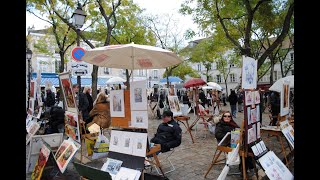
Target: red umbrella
x=194 y=82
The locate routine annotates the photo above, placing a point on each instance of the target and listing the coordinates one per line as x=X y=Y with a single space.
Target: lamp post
x=28 y=56
x=78 y=20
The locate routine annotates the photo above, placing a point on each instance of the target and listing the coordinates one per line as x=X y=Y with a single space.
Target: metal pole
x=78 y=77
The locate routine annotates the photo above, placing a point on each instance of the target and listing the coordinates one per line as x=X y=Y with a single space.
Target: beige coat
x=101 y=113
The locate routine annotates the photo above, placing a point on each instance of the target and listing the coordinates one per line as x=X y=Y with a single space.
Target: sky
x=151 y=6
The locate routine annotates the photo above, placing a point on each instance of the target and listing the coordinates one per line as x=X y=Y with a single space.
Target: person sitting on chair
x=168 y=133
x=227 y=124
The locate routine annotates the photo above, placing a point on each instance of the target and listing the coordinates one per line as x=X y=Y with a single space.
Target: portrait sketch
x=257 y=97
x=126 y=142
x=253 y=115
x=248 y=98
x=249 y=73
x=117 y=103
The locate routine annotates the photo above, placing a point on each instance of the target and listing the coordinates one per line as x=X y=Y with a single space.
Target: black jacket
x=168 y=135
x=90 y=100
x=83 y=106
x=233 y=99
x=50 y=100
x=222 y=129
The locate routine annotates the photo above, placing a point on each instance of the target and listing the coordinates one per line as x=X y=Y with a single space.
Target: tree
x=64 y=38
x=183 y=70
x=243 y=22
x=168 y=36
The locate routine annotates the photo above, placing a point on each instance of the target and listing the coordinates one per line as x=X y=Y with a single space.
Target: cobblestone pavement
x=191 y=161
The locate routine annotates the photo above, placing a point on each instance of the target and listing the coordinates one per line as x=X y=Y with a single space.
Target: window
x=140 y=72
x=218 y=78
x=275 y=75
x=155 y=74
x=199 y=67
x=106 y=70
x=232 y=78
x=292 y=56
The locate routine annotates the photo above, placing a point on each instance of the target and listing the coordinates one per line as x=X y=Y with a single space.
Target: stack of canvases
x=128 y=111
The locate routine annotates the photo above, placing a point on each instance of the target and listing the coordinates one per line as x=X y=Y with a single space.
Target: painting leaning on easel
x=284 y=107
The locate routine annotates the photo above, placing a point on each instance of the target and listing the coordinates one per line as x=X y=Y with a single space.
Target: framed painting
x=139 y=119
x=138 y=96
x=72 y=128
x=174 y=105
x=117 y=103
x=284 y=107
x=69 y=96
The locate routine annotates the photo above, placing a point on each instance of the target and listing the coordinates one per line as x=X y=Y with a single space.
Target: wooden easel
x=219 y=150
x=243 y=152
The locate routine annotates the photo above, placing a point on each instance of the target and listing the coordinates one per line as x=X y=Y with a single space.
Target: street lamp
x=78 y=18
x=28 y=56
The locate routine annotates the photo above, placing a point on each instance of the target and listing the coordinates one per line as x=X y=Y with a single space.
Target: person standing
x=224 y=99
x=203 y=98
x=82 y=101
x=87 y=92
x=233 y=99
x=240 y=100
x=50 y=99
x=275 y=107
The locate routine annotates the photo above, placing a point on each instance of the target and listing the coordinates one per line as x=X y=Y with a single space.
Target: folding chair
x=167 y=158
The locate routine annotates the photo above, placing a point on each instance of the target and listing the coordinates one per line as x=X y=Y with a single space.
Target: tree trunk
x=225 y=82
x=61 y=68
x=207 y=74
x=128 y=78
x=271 y=72
x=94 y=84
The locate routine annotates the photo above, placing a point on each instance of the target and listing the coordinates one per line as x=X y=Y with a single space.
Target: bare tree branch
x=39 y=16
x=115 y=39
x=70 y=45
x=236 y=43
x=280 y=38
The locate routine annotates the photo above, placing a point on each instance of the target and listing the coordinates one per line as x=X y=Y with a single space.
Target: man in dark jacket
x=203 y=98
x=275 y=107
x=168 y=133
x=82 y=101
x=50 y=100
x=240 y=100
x=233 y=99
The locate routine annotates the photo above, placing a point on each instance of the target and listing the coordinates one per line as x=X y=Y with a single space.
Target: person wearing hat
x=168 y=133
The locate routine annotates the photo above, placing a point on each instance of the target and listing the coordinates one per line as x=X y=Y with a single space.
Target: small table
x=276 y=131
x=188 y=127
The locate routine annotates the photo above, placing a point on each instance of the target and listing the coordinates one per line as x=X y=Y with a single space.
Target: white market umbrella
x=206 y=87
x=115 y=80
x=277 y=86
x=131 y=56
x=214 y=86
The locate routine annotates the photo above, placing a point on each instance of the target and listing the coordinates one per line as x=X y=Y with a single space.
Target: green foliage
x=231 y=19
x=182 y=71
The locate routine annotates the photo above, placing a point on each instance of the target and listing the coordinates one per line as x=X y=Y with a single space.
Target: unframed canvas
x=139 y=119
x=249 y=73
x=174 y=105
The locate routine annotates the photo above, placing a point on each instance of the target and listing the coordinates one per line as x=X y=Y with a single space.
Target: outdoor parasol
x=194 y=82
x=115 y=80
x=214 y=86
x=278 y=85
x=131 y=56
x=171 y=79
